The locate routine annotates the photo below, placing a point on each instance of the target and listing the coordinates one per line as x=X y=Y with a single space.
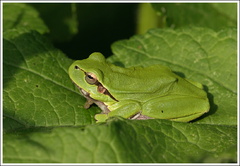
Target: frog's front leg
x=125 y=109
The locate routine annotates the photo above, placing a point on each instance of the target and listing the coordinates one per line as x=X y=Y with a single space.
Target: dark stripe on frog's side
x=103 y=90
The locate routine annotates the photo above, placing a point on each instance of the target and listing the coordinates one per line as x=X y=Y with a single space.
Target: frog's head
x=88 y=74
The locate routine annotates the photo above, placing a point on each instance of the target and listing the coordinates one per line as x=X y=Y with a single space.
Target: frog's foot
x=139 y=116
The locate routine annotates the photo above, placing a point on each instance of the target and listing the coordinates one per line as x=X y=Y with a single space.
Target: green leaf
x=124 y=141
x=37 y=88
x=22 y=15
x=212 y=15
x=199 y=54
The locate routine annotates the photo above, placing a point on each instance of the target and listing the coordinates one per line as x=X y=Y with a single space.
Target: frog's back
x=139 y=79
x=142 y=84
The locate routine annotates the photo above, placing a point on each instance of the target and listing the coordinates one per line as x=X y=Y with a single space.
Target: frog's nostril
x=76 y=67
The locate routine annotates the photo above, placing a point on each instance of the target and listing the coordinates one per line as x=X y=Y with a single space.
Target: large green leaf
x=37 y=89
x=124 y=141
x=44 y=119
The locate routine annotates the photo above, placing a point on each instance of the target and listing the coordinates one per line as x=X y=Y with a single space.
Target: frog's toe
x=101 y=117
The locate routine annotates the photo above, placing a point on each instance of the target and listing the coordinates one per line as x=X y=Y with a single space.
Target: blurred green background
x=79 y=29
x=98 y=26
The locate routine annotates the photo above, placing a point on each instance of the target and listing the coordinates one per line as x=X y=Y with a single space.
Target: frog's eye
x=91 y=78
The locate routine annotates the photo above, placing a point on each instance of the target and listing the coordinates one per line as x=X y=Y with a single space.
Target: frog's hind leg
x=176 y=107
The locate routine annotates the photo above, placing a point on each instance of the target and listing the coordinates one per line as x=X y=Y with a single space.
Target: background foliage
x=43 y=115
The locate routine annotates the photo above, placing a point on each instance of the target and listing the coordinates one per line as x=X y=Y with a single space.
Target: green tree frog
x=137 y=92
